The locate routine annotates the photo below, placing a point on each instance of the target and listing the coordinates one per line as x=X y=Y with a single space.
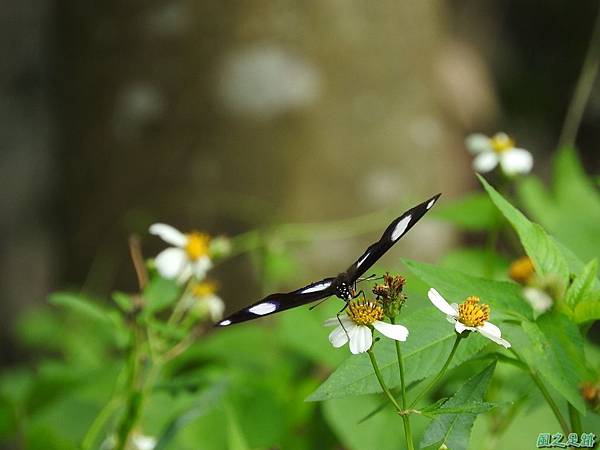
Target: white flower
x=539 y=300
x=142 y=442
x=498 y=149
x=469 y=315
x=355 y=327
x=189 y=256
x=205 y=301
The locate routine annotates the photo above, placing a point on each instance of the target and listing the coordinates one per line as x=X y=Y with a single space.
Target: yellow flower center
x=521 y=270
x=197 y=245
x=471 y=313
x=204 y=289
x=501 y=142
x=364 y=312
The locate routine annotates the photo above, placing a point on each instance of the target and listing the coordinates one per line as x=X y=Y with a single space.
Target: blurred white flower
x=499 y=149
x=206 y=302
x=188 y=257
x=539 y=300
x=143 y=442
x=356 y=327
x=469 y=315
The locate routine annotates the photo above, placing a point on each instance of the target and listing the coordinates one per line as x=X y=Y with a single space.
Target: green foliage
x=541 y=248
x=571 y=210
x=425 y=351
x=473 y=212
x=145 y=364
x=453 y=428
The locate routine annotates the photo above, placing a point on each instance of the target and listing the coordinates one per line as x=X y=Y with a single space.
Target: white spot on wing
x=362 y=260
x=400 y=228
x=430 y=204
x=263 y=308
x=224 y=323
x=317 y=287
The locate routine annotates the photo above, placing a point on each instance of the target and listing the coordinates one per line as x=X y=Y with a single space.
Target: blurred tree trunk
x=28 y=258
x=229 y=115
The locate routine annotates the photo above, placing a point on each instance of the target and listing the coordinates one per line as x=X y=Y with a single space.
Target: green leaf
x=571 y=212
x=474 y=212
x=477 y=262
x=588 y=310
x=123 y=301
x=504 y=297
x=454 y=430
x=159 y=294
x=582 y=287
x=425 y=351
x=383 y=432
x=85 y=306
x=541 y=248
x=235 y=436
x=553 y=347
x=471 y=408
x=208 y=400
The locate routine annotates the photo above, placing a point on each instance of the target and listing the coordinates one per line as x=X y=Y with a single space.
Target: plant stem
x=384 y=388
x=584 y=86
x=405 y=417
x=575 y=419
x=441 y=372
x=553 y=406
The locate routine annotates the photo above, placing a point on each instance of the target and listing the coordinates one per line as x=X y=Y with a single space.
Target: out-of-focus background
x=227 y=116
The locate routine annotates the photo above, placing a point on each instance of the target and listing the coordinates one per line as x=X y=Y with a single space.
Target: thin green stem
x=575 y=420
x=405 y=417
x=584 y=86
x=553 y=406
x=384 y=387
x=440 y=374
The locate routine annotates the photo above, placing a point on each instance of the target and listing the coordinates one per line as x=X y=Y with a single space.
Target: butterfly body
x=342 y=286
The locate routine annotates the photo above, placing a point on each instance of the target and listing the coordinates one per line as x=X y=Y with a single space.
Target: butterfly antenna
x=317 y=304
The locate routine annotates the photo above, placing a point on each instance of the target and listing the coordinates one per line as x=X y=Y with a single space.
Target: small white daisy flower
x=500 y=148
x=539 y=300
x=469 y=315
x=188 y=257
x=356 y=326
x=143 y=442
x=206 y=301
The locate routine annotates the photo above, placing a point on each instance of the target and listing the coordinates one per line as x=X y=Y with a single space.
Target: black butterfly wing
x=392 y=234
x=275 y=303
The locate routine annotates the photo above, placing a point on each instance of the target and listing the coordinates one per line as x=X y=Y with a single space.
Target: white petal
x=339 y=336
x=335 y=321
x=490 y=329
x=171 y=262
x=493 y=333
x=485 y=162
x=168 y=234
x=538 y=299
x=478 y=143
x=201 y=266
x=216 y=307
x=516 y=161
x=141 y=442
x=451 y=319
x=393 y=331
x=361 y=339
x=460 y=327
x=440 y=303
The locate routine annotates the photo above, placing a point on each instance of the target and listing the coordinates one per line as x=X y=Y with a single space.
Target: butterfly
x=342 y=285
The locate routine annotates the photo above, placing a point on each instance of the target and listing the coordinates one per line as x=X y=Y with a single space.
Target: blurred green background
x=229 y=116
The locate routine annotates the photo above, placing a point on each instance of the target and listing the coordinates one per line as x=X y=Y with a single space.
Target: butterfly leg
x=340 y=321
x=358 y=294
